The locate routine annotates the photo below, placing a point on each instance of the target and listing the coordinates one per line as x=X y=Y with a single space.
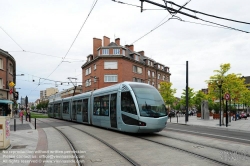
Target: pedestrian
x=21 y=115
x=28 y=115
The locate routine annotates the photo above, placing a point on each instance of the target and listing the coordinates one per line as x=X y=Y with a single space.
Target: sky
x=50 y=40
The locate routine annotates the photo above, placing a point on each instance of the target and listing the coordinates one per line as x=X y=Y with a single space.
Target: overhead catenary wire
x=93 y=5
x=210 y=15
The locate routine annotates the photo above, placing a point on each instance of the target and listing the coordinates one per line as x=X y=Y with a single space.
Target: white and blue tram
x=128 y=106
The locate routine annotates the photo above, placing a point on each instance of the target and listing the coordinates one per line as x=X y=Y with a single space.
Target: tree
x=198 y=98
x=191 y=94
x=167 y=93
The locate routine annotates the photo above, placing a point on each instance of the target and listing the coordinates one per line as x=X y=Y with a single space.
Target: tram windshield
x=149 y=101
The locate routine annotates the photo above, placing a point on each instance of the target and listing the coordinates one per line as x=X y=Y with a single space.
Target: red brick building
x=112 y=63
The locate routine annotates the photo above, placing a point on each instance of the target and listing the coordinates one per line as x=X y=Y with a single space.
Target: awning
x=6 y=101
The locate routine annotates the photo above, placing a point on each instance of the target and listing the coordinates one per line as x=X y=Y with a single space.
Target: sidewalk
x=239 y=125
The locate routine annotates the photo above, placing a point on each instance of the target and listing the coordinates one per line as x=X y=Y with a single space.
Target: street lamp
x=220 y=85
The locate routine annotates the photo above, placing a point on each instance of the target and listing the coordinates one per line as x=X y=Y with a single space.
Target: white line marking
x=209 y=134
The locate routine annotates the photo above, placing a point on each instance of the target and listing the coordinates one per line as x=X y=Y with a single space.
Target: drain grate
x=19 y=147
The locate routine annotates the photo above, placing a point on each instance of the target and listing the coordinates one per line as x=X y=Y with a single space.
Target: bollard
x=177 y=118
x=170 y=118
x=29 y=119
x=35 y=123
x=22 y=119
x=14 y=124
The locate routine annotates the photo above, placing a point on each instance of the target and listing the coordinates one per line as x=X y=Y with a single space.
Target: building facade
x=7 y=75
x=112 y=63
x=44 y=94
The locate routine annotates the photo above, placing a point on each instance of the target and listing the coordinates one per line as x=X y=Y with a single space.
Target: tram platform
x=239 y=125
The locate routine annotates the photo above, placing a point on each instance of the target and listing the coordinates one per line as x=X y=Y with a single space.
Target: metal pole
x=186 y=117
x=226 y=115
x=14 y=124
x=35 y=123
x=177 y=118
x=220 y=104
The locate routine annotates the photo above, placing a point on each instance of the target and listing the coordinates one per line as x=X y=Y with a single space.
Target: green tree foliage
x=191 y=95
x=42 y=105
x=167 y=93
x=234 y=84
x=198 y=98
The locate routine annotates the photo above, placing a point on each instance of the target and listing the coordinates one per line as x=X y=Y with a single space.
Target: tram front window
x=149 y=101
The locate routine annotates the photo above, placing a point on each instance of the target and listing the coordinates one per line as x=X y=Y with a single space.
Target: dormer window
x=149 y=62
x=152 y=64
x=105 y=51
x=116 y=51
x=136 y=57
x=162 y=68
x=159 y=66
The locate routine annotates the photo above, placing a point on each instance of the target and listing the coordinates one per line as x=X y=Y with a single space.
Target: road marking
x=210 y=134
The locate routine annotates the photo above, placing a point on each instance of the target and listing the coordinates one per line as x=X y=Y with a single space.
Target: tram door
x=85 y=110
x=113 y=111
x=74 y=110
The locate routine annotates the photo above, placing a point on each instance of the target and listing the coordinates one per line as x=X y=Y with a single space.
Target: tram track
x=72 y=147
x=174 y=146
x=205 y=145
x=129 y=159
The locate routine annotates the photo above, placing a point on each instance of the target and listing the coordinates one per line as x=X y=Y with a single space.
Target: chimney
x=141 y=53
x=106 y=41
x=131 y=47
x=96 y=44
x=117 y=41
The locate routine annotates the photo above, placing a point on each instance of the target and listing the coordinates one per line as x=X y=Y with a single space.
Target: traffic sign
x=227 y=96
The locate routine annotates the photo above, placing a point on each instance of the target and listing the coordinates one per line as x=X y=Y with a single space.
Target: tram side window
x=85 y=105
x=127 y=103
x=78 y=106
x=56 y=108
x=101 y=105
x=66 y=107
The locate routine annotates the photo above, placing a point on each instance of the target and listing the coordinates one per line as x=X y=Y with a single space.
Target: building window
x=152 y=64
x=110 y=78
x=137 y=80
x=110 y=65
x=116 y=51
x=88 y=82
x=137 y=69
x=1 y=63
x=1 y=83
x=94 y=66
x=153 y=74
x=11 y=68
x=163 y=77
x=159 y=86
x=136 y=57
x=159 y=66
x=88 y=71
x=162 y=68
x=149 y=73
x=159 y=76
x=105 y=51
x=149 y=62
x=123 y=52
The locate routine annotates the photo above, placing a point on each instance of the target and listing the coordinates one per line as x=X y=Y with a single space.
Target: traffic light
x=16 y=94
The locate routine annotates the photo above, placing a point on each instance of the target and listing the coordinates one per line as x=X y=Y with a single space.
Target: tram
x=128 y=107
